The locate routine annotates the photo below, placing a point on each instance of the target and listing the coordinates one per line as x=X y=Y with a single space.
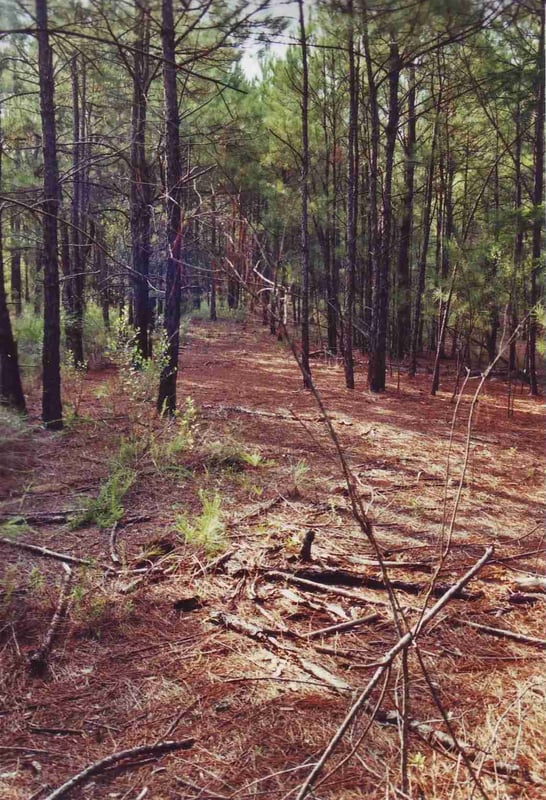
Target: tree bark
x=538 y=196
x=351 y=211
x=378 y=354
x=403 y=322
x=140 y=196
x=74 y=296
x=52 y=414
x=304 y=204
x=166 y=402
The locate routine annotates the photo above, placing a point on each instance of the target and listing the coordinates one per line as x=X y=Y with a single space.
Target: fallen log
x=341 y=577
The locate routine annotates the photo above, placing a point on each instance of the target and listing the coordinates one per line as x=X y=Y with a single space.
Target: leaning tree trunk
x=305 y=267
x=166 y=401
x=11 y=391
x=52 y=413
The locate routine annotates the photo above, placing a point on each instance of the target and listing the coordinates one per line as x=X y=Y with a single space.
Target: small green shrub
x=107 y=508
x=207 y=530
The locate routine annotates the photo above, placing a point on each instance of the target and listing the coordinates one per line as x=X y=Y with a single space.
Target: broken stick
x=43 y=551
x=115 y=758
x=38 y=659
x=402 y=644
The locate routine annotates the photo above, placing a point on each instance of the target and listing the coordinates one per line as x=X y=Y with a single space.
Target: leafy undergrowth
x=190 y=632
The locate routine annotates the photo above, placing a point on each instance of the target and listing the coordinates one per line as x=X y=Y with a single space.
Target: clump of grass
x=107 y=508
x=12 y=527
x=228 y=453
x=207 y=530
x=298 y=476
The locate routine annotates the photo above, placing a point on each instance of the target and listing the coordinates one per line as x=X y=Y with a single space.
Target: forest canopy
x=408 y=136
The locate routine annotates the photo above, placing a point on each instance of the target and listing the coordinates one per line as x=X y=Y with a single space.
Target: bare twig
x=344 y=626
x=38 y=659
x=402 y=644
x=517 y=637
x=43 y=551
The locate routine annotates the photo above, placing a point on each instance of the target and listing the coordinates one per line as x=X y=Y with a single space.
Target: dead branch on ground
x=154 y=750
x=38 y=659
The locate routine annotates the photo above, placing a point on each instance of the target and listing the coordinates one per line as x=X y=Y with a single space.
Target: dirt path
x=133 y=667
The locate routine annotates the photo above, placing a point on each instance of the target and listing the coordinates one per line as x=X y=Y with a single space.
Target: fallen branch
x=402 y=644
x=115 y=758
x=343 y=626
x=268 y=635
x=436 y=738
x=321 y=587
x=344 y=578
x=43 y=551
x=261 y=509
x=38 y=659
x=112 y=542
x=517 y=637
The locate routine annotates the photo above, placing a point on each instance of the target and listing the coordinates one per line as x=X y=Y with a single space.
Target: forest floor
x=192 y=633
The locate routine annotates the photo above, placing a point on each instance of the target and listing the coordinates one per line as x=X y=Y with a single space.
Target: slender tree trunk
x=351 y=211
x=403 y=323
x=416 y=333
x=74 y=306
x=52 y=414
x=167 y=384
x=11 y=390
x=378 y=354
x=518 y=247
x=373 y=223
x=214 y=248
x=538 y=195
x=140 y=195
x=305 y=268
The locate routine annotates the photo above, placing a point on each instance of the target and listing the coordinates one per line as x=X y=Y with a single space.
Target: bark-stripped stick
x=43 y=551
x=402 y=644
x=38 y=659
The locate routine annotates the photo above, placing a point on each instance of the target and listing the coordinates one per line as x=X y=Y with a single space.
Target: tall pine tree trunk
x=378 y=354
x=140 y=195
x=538 y=195
x=403 y=322
x=74 y=306
x=305 y=267
x=51 y=362
x=166 y=401
x=352 y=179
